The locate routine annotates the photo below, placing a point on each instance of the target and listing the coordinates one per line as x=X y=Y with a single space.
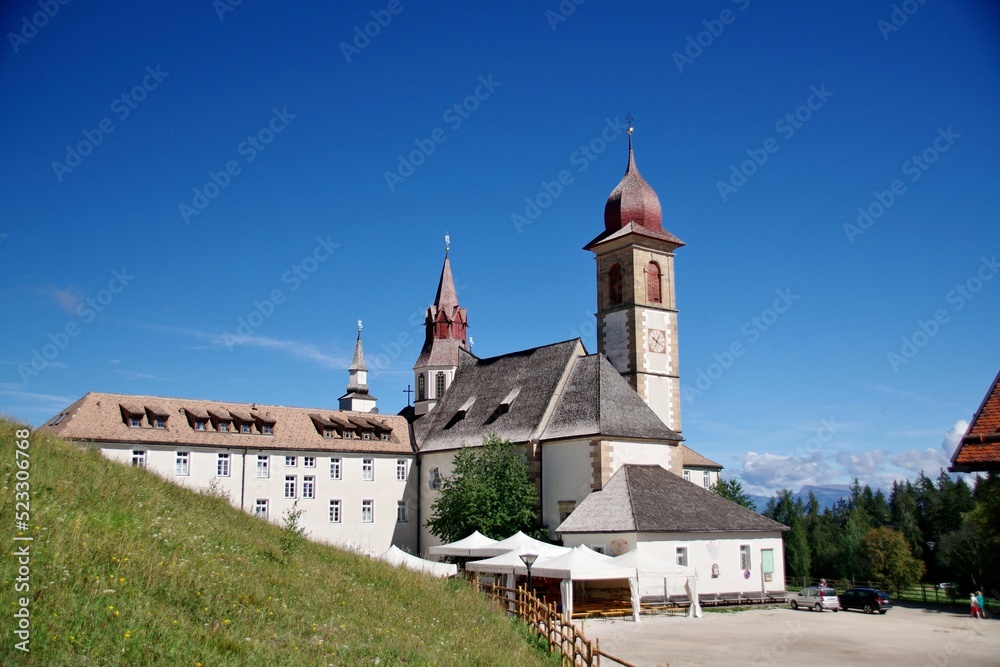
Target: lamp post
x=529 y=560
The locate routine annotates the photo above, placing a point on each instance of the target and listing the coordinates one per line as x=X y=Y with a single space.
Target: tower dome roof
x=633 y=200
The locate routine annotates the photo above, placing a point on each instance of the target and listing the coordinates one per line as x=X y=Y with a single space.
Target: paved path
x=780 y=636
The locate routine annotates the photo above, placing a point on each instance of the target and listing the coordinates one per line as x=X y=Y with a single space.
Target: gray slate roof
x=648 y=498
x=598 y=401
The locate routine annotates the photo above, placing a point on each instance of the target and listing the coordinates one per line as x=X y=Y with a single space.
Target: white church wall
x=642 y=453
x=567 y=476
x=439 y=464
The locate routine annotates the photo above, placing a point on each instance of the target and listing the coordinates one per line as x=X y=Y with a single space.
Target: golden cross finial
x=447 y=242
x=628 y=119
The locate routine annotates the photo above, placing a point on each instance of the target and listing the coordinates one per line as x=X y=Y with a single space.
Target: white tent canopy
x=398 y=557
x=516 y=540
x=462 y=547
x=583 y=564
x=656 y=575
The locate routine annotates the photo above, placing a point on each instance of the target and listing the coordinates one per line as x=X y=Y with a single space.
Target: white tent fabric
x=694 y=611
x=461 y=547
x=656 y=575
x=396 y=556
x=506 y=563
x=516 y=540
x=579 y=565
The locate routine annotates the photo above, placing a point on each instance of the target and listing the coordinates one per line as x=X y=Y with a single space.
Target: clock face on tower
x=656 y=341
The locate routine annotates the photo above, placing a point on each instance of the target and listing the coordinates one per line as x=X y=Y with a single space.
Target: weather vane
x=359 y=326
x=628 y=118
x=447 y=242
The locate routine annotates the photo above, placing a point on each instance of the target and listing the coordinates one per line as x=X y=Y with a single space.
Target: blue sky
x=168 y=171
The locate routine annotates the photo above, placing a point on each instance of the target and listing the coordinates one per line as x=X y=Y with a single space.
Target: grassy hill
x=128 y=569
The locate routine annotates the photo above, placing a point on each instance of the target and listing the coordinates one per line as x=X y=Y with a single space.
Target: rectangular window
x=744 y=556
x=309 y=487
x=223 y=427
x=328 y=433
x=367 y=511
x=262 y=461
x=159 y=422
x=289 y=486
x=135 y=422
x=707 y=479
x=244 y=428
x=687 y=475
x=266 y=429
x=182 y=463
x=308 y=461
x=139 y=458
x=222 y=466
x=400 y=470
x=199 y=425
x=367 y=470
x=260 y=508
x=290 y=461
x=334 y=468
x=682 y=556
x=366 y=435
x=401 y=511
x=334 y=511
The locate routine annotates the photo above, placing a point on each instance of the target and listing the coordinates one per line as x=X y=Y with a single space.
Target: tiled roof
x=648 y=498
x=980 y=446
x=693 y=459
x=98 y=417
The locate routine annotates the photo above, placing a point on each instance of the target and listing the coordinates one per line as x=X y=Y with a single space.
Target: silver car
x=816 y=598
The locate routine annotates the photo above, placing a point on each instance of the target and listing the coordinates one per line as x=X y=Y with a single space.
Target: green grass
x=128 y=569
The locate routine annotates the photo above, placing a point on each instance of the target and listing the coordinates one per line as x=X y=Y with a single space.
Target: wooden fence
x=575 y=648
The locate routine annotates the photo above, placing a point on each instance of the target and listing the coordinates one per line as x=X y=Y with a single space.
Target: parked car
x=868 y=600
x=816 y=598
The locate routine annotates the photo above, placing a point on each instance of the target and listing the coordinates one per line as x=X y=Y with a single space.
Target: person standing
x=981 y=604
x=973 y=605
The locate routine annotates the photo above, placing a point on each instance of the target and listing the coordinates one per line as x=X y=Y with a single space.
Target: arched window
x=615 y=284
x=439 y=385
x=653 y=282
x=421 y=387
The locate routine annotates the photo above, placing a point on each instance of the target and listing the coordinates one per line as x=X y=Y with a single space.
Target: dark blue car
x=868 y=600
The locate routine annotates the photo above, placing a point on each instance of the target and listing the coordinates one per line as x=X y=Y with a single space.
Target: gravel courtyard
x=780 y=636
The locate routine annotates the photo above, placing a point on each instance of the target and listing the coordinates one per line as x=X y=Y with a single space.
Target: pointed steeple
x=445 y=334
x=632 y=200
x=357 y=397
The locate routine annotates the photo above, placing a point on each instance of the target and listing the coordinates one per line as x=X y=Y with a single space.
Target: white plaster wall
x=698 y=476
x=659 y=362
x=385 y=490
x=443 y=461
x=567 y=474
x=704 y=549
x=640 y=453
x=616 y=339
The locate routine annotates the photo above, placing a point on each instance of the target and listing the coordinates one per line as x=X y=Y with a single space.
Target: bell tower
x=636 y=308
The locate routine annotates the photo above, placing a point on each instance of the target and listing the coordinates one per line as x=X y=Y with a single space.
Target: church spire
x=357 y=397
x=445 y=333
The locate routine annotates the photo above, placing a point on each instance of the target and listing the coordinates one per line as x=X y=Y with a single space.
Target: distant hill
x=129 y=569
x=826 y=494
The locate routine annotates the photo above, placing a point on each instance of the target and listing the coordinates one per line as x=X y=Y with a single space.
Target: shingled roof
x=651 y=499
x=598 y=401
x=693 y=459
x=97 y=417
x=979 y=448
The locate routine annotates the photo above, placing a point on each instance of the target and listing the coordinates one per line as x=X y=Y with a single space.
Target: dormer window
x=159 y=422
x=328 y=433
x=366 y=435
x=157 y=416
x=244 y=428
x=132 y=414
x=223 y=427
x=384 y=436
x=134 y=422
x=200 y=425
x=267 y=429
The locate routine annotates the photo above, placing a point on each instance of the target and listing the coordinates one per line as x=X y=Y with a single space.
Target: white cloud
x=863 y=464
x=929 y=461
x=952 y=437
x=764 y=473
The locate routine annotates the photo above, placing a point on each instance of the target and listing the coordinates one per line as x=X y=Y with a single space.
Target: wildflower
x=116 y=613
x=226 y=622
x=128 y=634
